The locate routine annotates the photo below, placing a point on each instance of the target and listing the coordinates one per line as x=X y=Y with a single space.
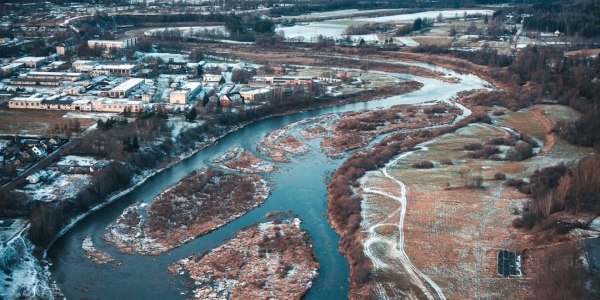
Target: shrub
x=447 y=161
x=499 y=176
x=473 y=146
x=423 y=164
x=514 y=182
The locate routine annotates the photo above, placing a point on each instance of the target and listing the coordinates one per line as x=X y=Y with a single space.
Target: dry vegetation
x=248 y=163
x=201 y=202
x=279 y=143
x=37 y=122
x=272 y=260
x=453 y=230
x=344 y=205
x=356 y=129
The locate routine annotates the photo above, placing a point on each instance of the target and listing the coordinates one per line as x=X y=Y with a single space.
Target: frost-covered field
x=59 y=187
x=22 y=275
x=312 y=31
x=89 y=115
x=447 y=14
x=335 y=28
x=192 y=31
x=79 y=161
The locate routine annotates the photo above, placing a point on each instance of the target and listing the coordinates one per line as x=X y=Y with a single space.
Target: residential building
x=38 y=150
x=63 y=49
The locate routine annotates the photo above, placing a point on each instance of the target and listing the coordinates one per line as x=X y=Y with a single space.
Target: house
x=33 y=178
x=47 y=145
x=38 y=150
x=26 y=156
x=55 y=140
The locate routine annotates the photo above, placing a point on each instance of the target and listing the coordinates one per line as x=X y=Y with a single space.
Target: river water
x=299 y=186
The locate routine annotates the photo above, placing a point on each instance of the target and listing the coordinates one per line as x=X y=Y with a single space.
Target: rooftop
x=30 y=58
x=129 y=84
x=65 y=74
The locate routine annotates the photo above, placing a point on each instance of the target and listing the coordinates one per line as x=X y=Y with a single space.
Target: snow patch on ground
x=23 y=275
x=58 y=187
x=89 y=115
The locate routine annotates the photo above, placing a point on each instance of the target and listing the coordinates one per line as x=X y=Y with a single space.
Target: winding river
x=299 y=186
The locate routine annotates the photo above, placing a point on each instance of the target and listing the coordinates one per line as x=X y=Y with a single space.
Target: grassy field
x=34 y=122
x=452 y=233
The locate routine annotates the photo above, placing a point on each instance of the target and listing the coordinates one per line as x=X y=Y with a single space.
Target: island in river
x=201 y=202
x=273 y=260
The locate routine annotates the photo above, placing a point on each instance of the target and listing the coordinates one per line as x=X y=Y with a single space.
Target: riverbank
x=344 y=206
x=200 y=203
x=269 y=260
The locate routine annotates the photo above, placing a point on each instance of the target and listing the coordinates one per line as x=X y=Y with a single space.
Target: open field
x=34 y=122
x=452 y=229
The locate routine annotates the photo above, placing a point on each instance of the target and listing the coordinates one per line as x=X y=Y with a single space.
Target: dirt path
x=429 y=288
x=550 y=137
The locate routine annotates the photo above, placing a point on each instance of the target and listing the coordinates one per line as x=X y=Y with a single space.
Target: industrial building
x=110 y=44
x=125 y=88
x=185 y=93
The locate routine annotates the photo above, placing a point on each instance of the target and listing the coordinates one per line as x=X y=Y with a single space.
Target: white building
x=110 y=44
x=31 y=61
x=123 y=69
x=84 y=65
x=185 y=93
x=116 y=105
x=67 y=76
x=12 y=67
x=210 y=78
x=125 y=88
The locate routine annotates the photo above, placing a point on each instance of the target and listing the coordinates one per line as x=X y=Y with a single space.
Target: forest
x=578 y=18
